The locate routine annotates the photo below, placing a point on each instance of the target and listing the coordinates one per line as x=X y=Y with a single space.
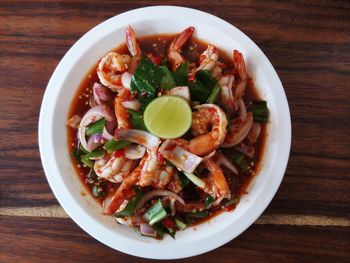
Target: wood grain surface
x=308 y=42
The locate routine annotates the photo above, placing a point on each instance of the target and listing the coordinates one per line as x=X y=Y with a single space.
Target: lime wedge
x=168 y=117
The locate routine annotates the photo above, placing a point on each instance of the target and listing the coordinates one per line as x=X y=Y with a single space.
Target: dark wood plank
x=47 y=239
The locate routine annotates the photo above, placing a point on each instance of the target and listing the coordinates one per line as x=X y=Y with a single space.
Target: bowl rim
x=72 y=207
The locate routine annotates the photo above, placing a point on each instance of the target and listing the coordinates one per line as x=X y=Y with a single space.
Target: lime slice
x=168 y=117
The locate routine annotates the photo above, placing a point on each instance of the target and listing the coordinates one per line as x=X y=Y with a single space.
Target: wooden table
x=308 y=42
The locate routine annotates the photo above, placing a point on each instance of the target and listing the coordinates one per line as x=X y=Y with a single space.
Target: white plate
x=53 y=137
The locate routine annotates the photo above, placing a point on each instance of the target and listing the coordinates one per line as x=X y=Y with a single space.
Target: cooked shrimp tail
x=174 y=53
x=131 y=42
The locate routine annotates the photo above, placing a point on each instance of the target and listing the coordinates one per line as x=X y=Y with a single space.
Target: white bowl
x=53 y=136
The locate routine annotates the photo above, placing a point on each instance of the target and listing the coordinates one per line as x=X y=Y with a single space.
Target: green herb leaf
x=113 y=145
x=260 y=111
x=214 y=94
x=199 y=92
x=96 y=127
x=155 y=213
x=137 y=120
x=181 y=74
x=232 y=201
x=206 y=78
x=167 y=82
x=241 y=161
x=98 y=191
x=145 y=81
x=203 y=86
x=129 y=209
x=208 y=200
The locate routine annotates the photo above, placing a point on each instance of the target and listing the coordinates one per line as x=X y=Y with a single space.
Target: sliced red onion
x=134 y=152
x=152 y=194
x=172 y=206
x=227 y=163
x=207 y=157
x=74 y=122
x=106 y=134
x=138 y=136
x=182 y=159
x=94 y=141
x=101 y=93
x=182 y=91
x=254 y=133
x=93 y=115
x=132 y=105
x=147 y=230
x=242 y=110
x=126 y=80
x=246 y=150
x=238 y=131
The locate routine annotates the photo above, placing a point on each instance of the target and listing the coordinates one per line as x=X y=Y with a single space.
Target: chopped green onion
x=232 y=201
x=167 y=82
x=196 y=180
x=208 y=200
x=86 y=161
x=92 y=176
x=241 y=161
x=98 y=191
x=199 y=214
x=137 y=230
x=129 y=209
x=86 y=158
x=180 y=224
x=155 y=213
x=260 y=111
x=113 y=145
x=137 y=120
x=183 y=179
x=96 y=127
x=82 y=149
x=214 y=94
x=160 y=229
x=75 y=155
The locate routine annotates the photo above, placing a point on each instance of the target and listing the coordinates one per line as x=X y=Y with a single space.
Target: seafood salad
x=167 y=131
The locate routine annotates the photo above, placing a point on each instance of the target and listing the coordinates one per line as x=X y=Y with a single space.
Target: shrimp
x=241 y=71
x=209 y=126
x=159 y=175
x=133 y=48
x=121 y=112
x=114 y=67
x=111 y=68
x=216 y=183
x=174 y=52
x=114 y=168
x=209 y=60
x=124 y=192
